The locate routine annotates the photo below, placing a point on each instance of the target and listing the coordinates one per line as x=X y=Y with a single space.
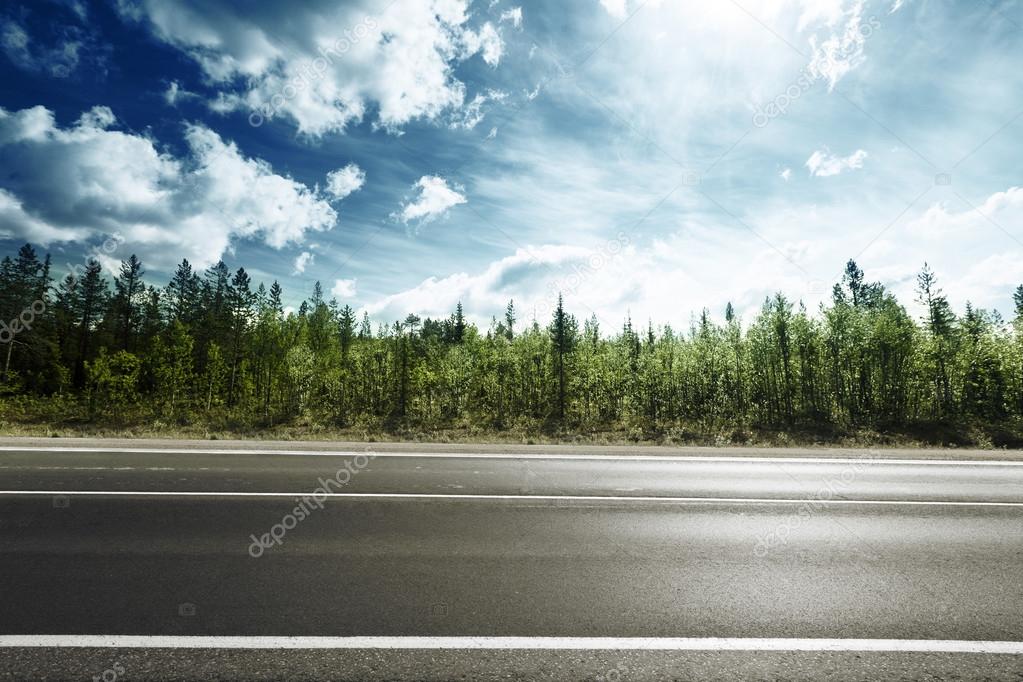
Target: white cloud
x=434 y=198
x=27 y=125
x=616 y=8
x=487 y=42
x=175 y=93
x=87 y=181
x=664 y=279
x=302 y=261
x=822 y=163
x=669 y=276
x=488 y=290
x=987 y=282
x=841 y=51
x=343 y=288
x=328 y=64
x=786 y=174
x=472 y=113
x=939 y=222
x=59 y=61
x=344 y=181
x=170 y=95
x=824 y=12
x=514 y=15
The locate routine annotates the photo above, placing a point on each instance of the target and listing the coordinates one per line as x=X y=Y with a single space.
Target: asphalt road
x=119 y=543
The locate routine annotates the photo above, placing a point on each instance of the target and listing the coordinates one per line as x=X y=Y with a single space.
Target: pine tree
x=66 y=316
x=183 y=293
x=275 y=299
x=92 y=301
x=241 y=302
x=129 y=291
x=563 y=331
x=458 y=325
x=940 y=320
x=346 y=326
x=509 y=320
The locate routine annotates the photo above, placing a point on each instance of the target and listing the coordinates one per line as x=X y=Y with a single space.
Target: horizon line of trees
x=213 y=344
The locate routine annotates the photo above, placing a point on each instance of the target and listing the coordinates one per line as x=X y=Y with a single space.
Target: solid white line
x=474 y=496
x=552 y=456
x=578 y=643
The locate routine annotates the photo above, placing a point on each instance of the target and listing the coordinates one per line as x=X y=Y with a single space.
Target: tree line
x=213 y=344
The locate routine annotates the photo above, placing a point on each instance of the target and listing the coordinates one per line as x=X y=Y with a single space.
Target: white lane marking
x=474 y=496
x=484 y=455
x=578 y=643
x=30 y=467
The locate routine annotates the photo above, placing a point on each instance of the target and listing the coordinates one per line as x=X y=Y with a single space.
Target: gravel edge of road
x=491 y=448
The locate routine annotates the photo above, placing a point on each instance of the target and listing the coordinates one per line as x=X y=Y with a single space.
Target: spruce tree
x=563 y=332
x=128 y=299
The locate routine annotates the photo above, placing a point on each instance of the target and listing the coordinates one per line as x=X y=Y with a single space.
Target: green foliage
x=210 y=344
x=113 y=379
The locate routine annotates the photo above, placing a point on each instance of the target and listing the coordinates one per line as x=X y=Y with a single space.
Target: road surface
x=169 y=563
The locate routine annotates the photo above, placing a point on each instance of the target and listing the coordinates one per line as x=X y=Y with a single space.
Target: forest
x=213 y=352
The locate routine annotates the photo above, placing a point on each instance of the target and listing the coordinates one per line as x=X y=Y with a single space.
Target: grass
x=66 y=417
x=973 y=437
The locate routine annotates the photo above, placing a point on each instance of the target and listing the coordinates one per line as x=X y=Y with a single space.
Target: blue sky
x=644 y=158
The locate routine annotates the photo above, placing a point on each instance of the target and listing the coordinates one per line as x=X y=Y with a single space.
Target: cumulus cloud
x=433 y=198
x=518 y=275
x=325 y=65
x=344 y=181
x=343 y=288
x=822 y=163
x=487 y=41
x=302 y=261
x=89 y=180
x=663 y=279
x=999 y=210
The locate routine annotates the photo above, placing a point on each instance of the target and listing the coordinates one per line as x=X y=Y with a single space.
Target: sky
x=644 y=159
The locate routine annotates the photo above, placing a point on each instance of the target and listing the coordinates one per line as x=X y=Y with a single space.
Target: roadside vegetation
x=213 y=354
